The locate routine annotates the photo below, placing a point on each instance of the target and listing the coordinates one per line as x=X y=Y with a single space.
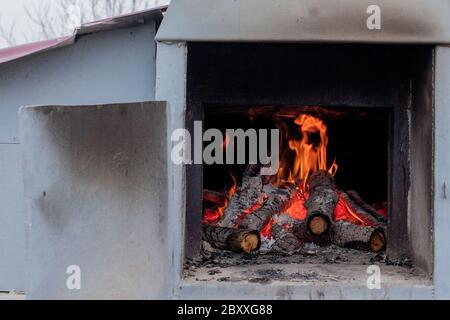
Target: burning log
x=278 y=200
x=321 y=202
x=346 y=234
x=366 y=207
x=286 y=243
x=361 y=212
x=300 y=230
x=247 y=194
x=236 y=240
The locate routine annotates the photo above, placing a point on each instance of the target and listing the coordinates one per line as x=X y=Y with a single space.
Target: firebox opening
x=348 y=145
x=379 y=129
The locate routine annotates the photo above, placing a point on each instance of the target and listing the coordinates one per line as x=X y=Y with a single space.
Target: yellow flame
x=309 y=156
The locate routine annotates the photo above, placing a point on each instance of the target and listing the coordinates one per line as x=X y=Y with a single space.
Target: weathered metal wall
x=96 y=193
x=106 y=67
x=401 y=21
x=420 y=197
x=171 y=87
x=12 y=224
x=441 y=189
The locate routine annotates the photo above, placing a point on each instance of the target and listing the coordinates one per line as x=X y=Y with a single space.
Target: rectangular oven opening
x=330 y=188
x=352 y=186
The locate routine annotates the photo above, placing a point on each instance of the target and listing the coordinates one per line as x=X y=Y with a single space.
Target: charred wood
x=214 y=197
x=321 y=202
x=278 y=200
x=236 y=240
x=245 y=196
x=286 y=243
x=300 y=230
x=360 y=212
x=365 y=206
x=346 y=234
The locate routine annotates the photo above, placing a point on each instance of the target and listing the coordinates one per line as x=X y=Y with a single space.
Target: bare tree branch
x=49 y=19
x=7 y=34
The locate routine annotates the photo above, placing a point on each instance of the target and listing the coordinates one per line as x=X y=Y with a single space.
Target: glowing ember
x=267 y=230
x=383 y=212
x=258 y=204
x=213 y=215
x=297 y=210
x=344 y=212
x=310 y=156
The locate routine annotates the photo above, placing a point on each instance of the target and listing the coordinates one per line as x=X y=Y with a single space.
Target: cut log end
x=321 y=203
x=318 y=224
x=378 y=241
x=250 y=243
x=244 y=241
x=237 y=240
x=348 y=235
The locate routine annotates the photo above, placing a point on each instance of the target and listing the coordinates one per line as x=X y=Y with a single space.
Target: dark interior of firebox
x=357 y=143
x=358 y=140
x=376 y=103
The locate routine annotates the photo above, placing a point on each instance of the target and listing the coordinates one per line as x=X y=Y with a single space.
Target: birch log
x=236 y=240
x=321 y=203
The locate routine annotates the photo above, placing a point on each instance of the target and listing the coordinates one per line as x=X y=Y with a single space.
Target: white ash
x=283 y=219
x=266 y=244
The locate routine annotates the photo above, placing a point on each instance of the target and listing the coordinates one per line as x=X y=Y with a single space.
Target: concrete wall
x=106 y=67
x=96 y=190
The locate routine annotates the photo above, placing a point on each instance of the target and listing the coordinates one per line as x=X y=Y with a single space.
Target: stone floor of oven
x=327 y=265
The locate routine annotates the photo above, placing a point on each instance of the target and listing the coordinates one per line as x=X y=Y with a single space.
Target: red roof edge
x=17 y=52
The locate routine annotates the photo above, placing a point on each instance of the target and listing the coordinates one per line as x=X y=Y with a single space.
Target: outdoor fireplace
x=219 y=60
x=354 y=120
x=356 y=209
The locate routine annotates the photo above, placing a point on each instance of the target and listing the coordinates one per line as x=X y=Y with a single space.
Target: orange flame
x=297 y=210
x=230 y=193
x=310 y=155
x=233 y=187
x=310 y=151
x=226 y=142
x=212 y=216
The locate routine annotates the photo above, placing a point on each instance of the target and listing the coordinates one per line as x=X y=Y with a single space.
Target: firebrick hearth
x=346 y=115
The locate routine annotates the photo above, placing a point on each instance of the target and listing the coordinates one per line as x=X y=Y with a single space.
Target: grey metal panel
x=442 y=174
x=106 y=67
x=96 y=193
x=12 y=222
x=421 y=162
x=171 y=66
x=405 y=21
x=121 y=21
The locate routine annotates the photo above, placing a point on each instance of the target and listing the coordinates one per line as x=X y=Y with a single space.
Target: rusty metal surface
x=126 y=20
x=402 y=21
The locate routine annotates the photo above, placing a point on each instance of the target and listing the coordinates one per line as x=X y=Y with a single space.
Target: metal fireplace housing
x=235 y=61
